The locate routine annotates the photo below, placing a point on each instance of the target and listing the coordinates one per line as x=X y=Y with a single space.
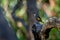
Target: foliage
x=21 y=13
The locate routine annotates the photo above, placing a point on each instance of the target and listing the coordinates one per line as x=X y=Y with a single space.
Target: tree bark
x=31 y=11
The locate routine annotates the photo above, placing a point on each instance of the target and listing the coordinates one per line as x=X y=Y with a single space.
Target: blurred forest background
x=20 y=30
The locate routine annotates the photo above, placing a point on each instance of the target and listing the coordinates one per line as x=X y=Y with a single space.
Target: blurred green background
x=18 y=26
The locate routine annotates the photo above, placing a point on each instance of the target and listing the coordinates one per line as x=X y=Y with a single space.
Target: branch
x=17 y=6
x=50 y=12
x=53 y=22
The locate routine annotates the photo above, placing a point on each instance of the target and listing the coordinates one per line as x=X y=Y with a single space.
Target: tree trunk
x=31 y=11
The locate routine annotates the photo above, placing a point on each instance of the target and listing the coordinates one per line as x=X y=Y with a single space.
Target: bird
x=36 y=29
